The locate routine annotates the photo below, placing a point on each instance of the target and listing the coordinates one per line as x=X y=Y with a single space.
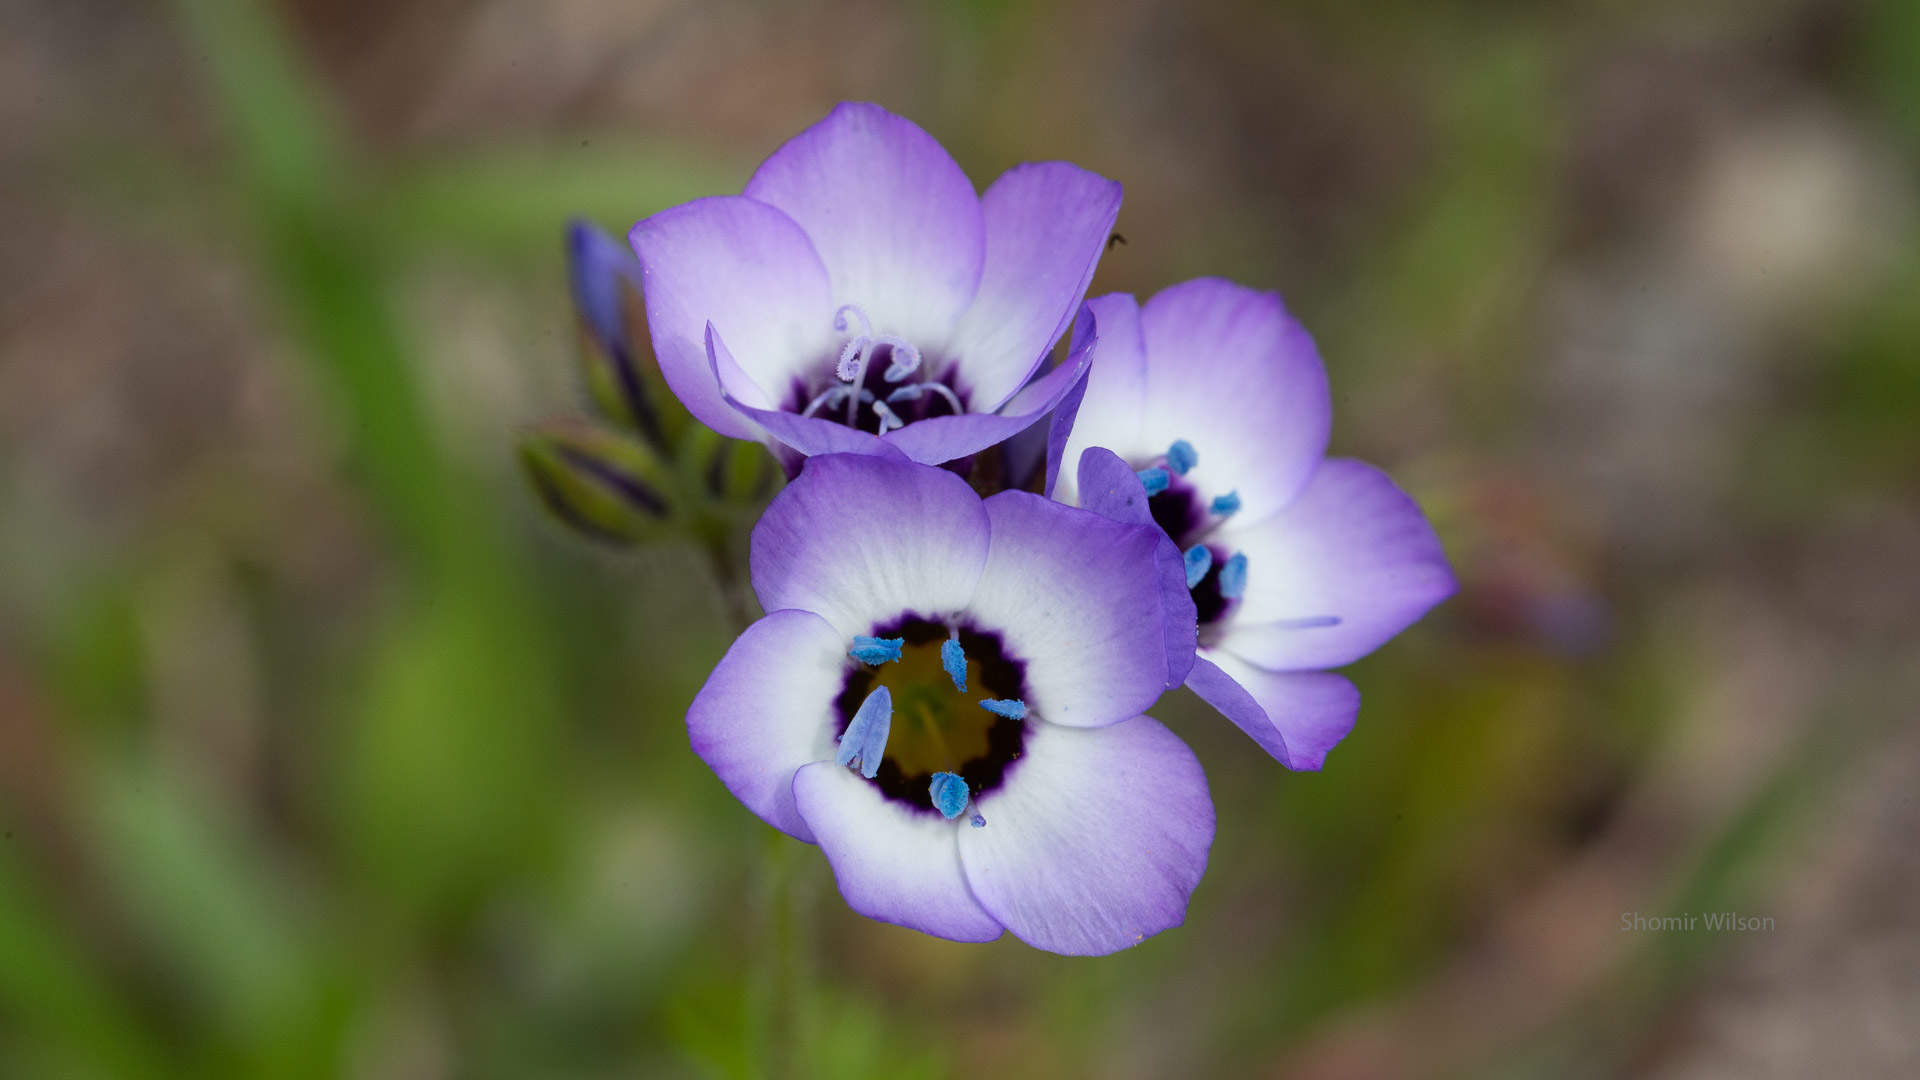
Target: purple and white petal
x=944 y=438
x=862 y=539
x=1225 y=368
x=1047 y=224
x=767 y=709
x=1077 y=597
x=809 y=435
x=1060 y=424
x=1232 y=364
x=1115 y=397
x=1350 y=564
x=1111 y=489
x=749 y=270
x=1095 y=841
x=896 y=223
x=892 y=863
x=1297 y=716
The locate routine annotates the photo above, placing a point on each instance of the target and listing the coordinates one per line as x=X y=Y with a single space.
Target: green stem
x=780 y=988
x=780 y=998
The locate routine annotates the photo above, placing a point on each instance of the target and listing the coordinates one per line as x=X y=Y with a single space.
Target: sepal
x=601 y=482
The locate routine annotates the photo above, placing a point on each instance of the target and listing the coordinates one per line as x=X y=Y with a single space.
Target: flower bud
x=602 y=482
x=617 y=363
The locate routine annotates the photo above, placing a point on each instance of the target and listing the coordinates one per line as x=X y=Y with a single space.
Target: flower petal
x=1047 y=224
x=1230 y=371
x=944 y=438
x=1114 y=399
x=1350 y=564
x=892 y=863
x=1297 y=716
x=862 y=539
x=1111 y=489
x=749 y=270
x=767 y=709
x=895 y=221
x=1231 y=363
x=809 y=435
x=1059 y=430
x=1077 y=597
x=1095 y=840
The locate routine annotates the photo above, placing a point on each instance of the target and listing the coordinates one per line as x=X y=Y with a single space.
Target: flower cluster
x=984 y=568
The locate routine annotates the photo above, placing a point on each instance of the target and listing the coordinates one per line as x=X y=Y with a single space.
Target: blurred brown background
x=322 y=753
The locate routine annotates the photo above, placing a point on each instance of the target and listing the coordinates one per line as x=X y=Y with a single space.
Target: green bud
x=602 y=482
x=618 y=366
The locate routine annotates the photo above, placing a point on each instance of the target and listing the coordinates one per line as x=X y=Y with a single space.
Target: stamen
x=954 y=659
x=827 y=398
x=1181 y=456
x=1155 y=479
x=1011 y=708
x=865 y=740
x=874 y=651
x=949 y=793
x=905 y=360
x=1199 y=560
x=888 y=418
x=912 y=392
x=1224 y=505
x=1233 y=576
x=978 y=822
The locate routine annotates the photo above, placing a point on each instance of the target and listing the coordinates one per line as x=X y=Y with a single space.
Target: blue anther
x=949 y=793
x=1199 y=560
x=1011 y=708
x=1156 y=480
x=865 y=740
x=1226 y=504
x=978 y=822
x=874 y=651
x=1233 y=577
x=1181 y=456
x=954 y=659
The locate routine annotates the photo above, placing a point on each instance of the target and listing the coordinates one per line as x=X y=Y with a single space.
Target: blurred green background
x=323 y=753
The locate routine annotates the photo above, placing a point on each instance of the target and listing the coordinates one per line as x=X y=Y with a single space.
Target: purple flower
x=859 y=291
x=945 y=695
x=1213 y=404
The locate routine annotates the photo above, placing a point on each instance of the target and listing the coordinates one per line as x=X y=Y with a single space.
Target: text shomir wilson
x=1709 y=920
